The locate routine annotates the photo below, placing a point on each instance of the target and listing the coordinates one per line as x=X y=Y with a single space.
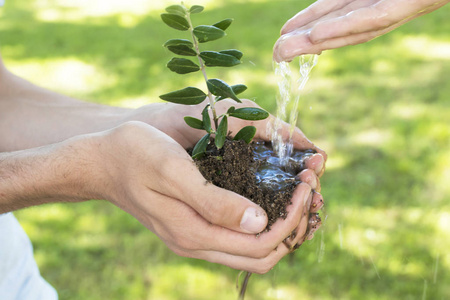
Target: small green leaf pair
x=245 y=113
x=247 y=133
x=210 y=58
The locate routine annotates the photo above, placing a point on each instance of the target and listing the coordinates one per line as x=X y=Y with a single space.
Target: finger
x=300 y=141
x=379 y=16
x=283 y=228
x=294 y=44
x=315 y=11
x=308 y=176
x=317 y=202
x=224 y=208
x=253 y=265
x=367 y=36
x=169 y=218
x=298 y=42
x=181 y=228
x=179 y=178
x=268 y=241
x=317 y=163
x=354 y=5
x=301 y=230
x=314 y=224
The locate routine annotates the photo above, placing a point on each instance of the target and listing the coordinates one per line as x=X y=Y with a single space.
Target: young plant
x=179 y=17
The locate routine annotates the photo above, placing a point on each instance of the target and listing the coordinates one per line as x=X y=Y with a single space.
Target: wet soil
x=255 y=172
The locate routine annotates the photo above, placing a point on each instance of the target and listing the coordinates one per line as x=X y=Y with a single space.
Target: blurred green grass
x=381 y=110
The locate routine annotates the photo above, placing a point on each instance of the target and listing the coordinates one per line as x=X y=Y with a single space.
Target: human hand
x=329 y=24
x=168 y=117
x=149 y=175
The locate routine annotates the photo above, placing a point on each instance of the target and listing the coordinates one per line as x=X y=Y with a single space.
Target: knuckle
x=128 y=133
x=262 y=252
x=184 y=245
x=130 y=127
x=381 y=22
x=209 y=210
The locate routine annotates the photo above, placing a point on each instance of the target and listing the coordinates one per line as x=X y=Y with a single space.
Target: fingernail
x=312 y=181
x=254 y=220
x=319 y=167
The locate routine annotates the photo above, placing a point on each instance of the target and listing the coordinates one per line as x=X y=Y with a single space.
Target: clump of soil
x=255 y=172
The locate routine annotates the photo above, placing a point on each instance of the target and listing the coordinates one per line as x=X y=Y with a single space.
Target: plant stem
x=244 y=285
x=203 y=68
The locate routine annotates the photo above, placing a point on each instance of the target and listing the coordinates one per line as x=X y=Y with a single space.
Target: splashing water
x=290 y=85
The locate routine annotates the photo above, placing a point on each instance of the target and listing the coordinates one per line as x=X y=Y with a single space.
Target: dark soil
x=255 y=172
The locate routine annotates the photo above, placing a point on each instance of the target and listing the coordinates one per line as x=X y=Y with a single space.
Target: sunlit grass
x=63 y=10
x=68 y=75
x=426 y=48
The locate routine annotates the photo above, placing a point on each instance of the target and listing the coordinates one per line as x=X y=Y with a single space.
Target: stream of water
x=291 y=82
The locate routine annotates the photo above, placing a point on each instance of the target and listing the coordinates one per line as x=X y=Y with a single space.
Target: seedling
x=179 y=17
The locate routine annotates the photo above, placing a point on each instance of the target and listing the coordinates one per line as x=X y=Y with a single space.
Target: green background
x=381 y=110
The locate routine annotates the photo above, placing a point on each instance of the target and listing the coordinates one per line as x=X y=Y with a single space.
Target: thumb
x=217 y=205
x=228 y=209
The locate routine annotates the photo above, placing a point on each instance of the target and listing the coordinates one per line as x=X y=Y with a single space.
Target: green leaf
x=221 y=133
x=175 y=21
x=246 y=134
x=182 y=65
x=193 y=122
x=188 y=96
x=182 y=50
x=233 y=52
x=178 y=42
x=176 y=9
x=231 y=109
x=206 y=119
x=220 y=88
x=237 y=89
x=195 y=9
x=216 y=59
x=250 y=113
x=206 y=33
x=223 y=24
x=200 y=147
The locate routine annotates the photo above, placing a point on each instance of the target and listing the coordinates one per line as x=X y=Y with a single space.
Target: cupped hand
x=329 y=24
x=168 y=118
x=152 y=177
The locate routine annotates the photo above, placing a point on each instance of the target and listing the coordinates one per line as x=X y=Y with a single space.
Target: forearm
x=63 y=172
x=31 y=116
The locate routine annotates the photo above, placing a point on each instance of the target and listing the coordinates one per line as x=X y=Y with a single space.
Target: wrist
x=62 y=172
